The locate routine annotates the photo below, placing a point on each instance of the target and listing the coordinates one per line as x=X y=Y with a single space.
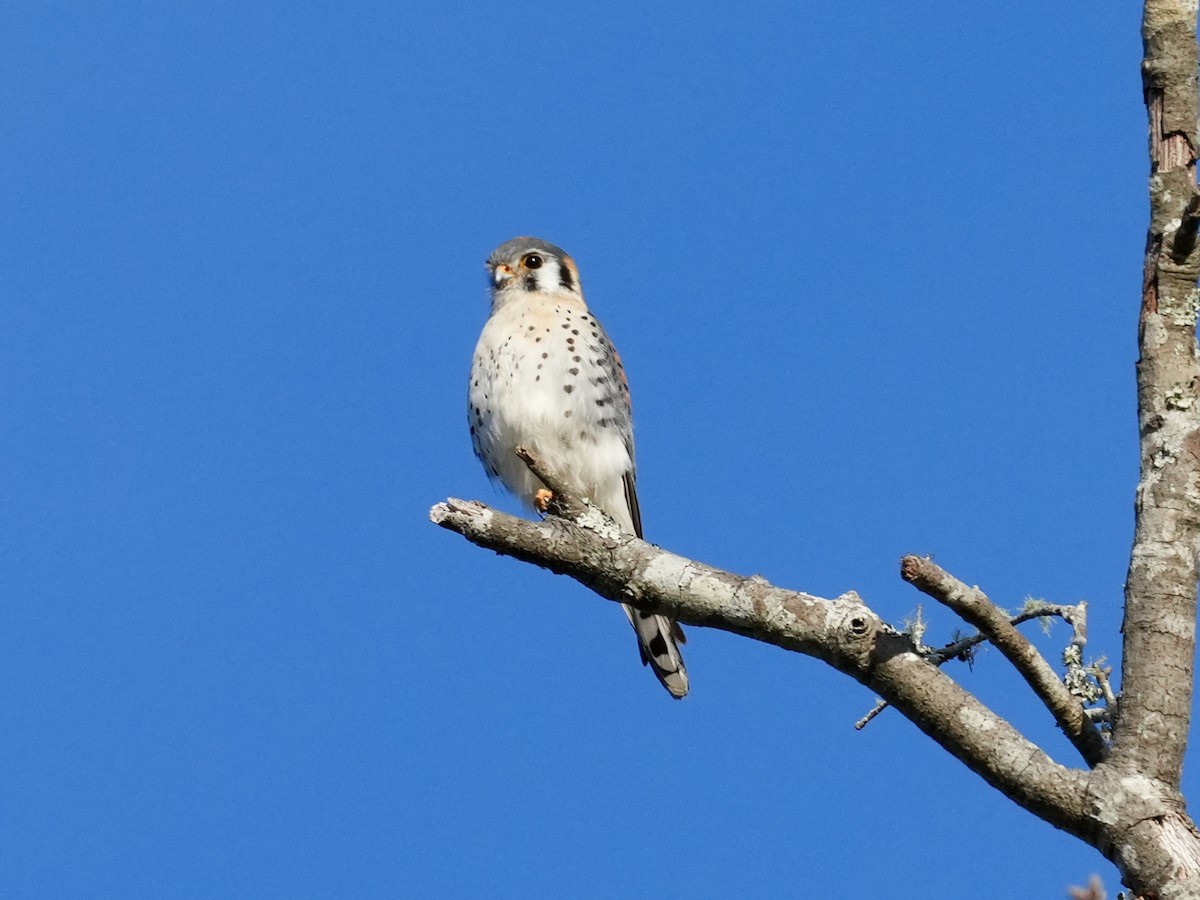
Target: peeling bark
x=1150 y=734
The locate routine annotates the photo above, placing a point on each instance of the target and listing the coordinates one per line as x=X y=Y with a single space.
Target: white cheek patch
x=546 y=276
x=553 y=277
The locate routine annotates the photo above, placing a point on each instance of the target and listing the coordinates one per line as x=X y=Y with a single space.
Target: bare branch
x=974 y=607
x=1150 y=732
x=962 y=649
x=564 y=503
x=880 y=706
x=843 y=632
x=957 y=648
x=1101 y=673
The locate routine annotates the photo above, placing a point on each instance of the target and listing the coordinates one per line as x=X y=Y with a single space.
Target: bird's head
x=530 y=264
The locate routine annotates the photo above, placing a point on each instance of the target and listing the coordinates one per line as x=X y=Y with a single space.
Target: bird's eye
x=532 y=261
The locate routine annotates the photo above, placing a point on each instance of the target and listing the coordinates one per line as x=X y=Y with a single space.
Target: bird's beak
x=501 y=275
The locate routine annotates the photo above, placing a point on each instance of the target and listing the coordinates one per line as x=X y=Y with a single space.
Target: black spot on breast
x=566 y=413
x=604 y=401
x=573 y=370
x=576 y=359
x=545 y=355
x=568 y=388
x=574 y=331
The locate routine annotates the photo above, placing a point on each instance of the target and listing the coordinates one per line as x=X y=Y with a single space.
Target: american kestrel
x=545 y=376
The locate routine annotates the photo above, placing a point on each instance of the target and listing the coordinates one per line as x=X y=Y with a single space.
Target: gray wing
x=658 y=636
x=617 y=400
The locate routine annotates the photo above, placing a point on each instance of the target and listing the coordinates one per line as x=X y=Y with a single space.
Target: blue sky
x=874 y=273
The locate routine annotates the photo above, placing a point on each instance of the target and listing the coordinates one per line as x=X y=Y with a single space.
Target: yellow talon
x=541 y=500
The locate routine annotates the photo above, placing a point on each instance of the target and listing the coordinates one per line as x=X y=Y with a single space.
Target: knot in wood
x=854 y=624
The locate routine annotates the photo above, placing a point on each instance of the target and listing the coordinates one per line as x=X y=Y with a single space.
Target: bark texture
x=1160 y=591
x=1124 y=798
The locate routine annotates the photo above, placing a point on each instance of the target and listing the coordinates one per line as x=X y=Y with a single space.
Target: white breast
x=538 y=384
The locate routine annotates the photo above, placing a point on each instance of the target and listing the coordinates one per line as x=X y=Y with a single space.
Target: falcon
x=545 y=376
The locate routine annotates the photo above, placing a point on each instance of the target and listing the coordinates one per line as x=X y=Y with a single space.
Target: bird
x=546 y=377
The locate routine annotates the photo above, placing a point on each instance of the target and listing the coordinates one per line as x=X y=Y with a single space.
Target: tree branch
x=1038 y=610
x=843 y=632
x=974 y=607
x=1150 y=731
x=1075 y=616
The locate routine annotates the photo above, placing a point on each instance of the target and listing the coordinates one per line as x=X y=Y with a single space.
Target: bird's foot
x=541 y=500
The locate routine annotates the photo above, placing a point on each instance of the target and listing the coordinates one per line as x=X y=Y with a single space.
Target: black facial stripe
x=531 y=283
x=565 y=278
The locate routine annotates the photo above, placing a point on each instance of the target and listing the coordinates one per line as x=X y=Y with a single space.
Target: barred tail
x=659 y=639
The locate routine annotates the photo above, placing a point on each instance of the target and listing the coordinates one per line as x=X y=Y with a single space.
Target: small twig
x=1110 y=698
x=974 y=607
x=880 y=706
x=564 y=504
x=1089 y=683
x=1038 y=611
x=961 y=649
x=1078 y=620
x=1101 y=674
